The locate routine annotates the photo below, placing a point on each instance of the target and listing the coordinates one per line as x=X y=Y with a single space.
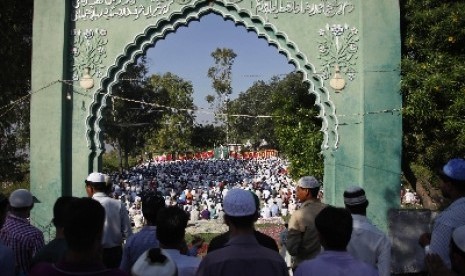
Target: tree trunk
x=426 y=198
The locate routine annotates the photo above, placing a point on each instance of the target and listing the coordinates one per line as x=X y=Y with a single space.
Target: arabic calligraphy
x=109 y=9
x=328 y=8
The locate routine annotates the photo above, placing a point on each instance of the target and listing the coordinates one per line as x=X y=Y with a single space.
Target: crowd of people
x=198 y=186
x=94 y=235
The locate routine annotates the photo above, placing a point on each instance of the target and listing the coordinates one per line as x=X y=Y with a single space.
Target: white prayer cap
x=239 y=203
x=354 y=195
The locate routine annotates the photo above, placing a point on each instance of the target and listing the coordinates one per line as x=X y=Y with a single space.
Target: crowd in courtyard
x=134 y=223
x=199 y=186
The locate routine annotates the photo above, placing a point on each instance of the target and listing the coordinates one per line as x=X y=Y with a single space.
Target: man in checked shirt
x=18 y=234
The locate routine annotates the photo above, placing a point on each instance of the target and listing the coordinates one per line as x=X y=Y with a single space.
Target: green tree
x=15 y=79
x=206 y=136
x=297 y=127
x=177 y=118
x=221 y=75
x=127 y=120
x=433 y=86
x=250 y=111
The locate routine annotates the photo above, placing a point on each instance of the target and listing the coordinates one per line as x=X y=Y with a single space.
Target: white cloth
x=371 y=245
x=117 y=225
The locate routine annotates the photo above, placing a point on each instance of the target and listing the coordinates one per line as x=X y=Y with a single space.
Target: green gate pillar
x=369 y=118
x=50 y=114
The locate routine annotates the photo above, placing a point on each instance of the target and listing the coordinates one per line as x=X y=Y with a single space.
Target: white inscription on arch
x=112 y=9
x=327 y=8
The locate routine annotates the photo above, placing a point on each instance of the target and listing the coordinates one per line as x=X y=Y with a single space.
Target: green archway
x=359 y=105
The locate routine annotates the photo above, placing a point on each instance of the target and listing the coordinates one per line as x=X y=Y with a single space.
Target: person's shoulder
x=266 y=240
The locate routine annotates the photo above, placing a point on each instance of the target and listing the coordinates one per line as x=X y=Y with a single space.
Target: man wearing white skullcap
x=367 y=242
x=242 y=255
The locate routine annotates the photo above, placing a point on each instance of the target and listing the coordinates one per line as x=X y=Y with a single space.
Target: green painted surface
x=361 y=145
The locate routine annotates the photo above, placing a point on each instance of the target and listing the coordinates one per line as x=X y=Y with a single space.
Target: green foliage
x=293 y=128
x=297 y=127
x=111 y=162
x=128 y=122
x=255 y=101
x=207 y=237
x=221 y=75
x=15 y=79
x=176 y=124
x=206 y=136
x=433 y=84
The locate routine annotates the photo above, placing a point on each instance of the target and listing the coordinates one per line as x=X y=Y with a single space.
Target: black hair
x=60 y=210
x=459 y=185
x=335 y=228
x=171 y=226
x=359 y=209
x=99 y=186
x=242 y=222
x=84 y=224
x=152 y=203
x=314 y=191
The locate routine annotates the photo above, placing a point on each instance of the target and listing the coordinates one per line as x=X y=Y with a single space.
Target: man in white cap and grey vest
x=367 y=243
x=117 y=225
x=302 y=238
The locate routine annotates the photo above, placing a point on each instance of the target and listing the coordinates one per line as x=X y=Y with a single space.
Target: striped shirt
x=23 y=238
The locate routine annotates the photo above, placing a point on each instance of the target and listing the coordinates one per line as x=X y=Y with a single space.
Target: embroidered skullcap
x=455 y=169
x=239 y=203
x=354 y=195
x=308 y=182
x=96 y=177
x=458 y=236
x=21 y=198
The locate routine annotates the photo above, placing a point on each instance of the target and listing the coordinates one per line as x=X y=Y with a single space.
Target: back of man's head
x=171 y=226
x=355 y=200
x=98 y=181
x=60 y=210
x=152 y=203
x=240 y=208
x=334 y=226
x=83 y=226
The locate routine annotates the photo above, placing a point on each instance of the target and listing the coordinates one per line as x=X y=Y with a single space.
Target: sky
x=187 y=53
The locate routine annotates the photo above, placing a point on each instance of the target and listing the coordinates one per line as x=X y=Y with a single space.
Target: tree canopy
x=433 y=86
x=15 y=83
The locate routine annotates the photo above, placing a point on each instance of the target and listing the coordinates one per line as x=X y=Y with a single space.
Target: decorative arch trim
x=193 y=12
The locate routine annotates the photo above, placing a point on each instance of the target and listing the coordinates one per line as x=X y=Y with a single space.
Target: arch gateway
x=347 y=50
